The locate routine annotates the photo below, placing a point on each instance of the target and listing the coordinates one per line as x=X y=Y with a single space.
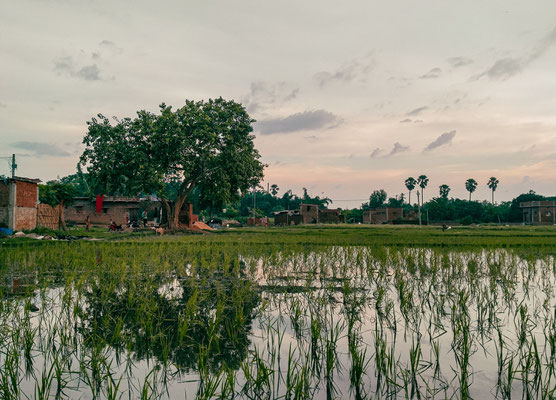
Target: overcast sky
x=349 y=96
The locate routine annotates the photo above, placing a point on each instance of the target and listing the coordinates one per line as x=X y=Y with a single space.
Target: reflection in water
x=194 y=322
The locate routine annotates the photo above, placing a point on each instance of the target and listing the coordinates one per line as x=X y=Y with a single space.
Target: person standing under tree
x=144 y=216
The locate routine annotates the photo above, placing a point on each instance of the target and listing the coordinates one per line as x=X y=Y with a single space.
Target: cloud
x=398 y=148
x=307 y=120
x=110 y=46
x=66 y=66
x=405 y=121
x=416 y=111
x=89 y=73
x=376 y=152
x=433 y=73
x=263 y=95
x=41 y=149
x=2 y=105
x=507 y=67
x=357 y=68
x=457 y=62
x=442 y=140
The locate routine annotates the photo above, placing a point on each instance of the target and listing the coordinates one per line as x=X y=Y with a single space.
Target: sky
x=349 y=97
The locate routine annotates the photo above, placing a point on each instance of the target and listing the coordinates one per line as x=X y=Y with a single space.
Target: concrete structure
x=288 y=217
x=539 y=212
x=382 y=215
x=308 y=214
x=327 y=216
x=113 y=208
x=18 y=202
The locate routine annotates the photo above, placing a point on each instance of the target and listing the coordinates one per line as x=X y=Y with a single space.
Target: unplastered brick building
x=382 y=215
x=18 y=202
x=539 y=212
x=308 y=214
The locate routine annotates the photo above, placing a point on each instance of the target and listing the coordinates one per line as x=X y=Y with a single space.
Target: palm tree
x=470 y=185
x=274 y=189
x=423 y=181
x=444 y=190
x=410 y=185
x=493 y=184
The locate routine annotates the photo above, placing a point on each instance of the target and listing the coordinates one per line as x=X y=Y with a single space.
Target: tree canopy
x=204 y=144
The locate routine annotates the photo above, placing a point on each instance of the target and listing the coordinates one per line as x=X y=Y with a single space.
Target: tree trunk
x=174 y=211
x=409 y=199
x=62 y=221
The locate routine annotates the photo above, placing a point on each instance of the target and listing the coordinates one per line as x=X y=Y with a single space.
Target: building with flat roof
x=18 y=202
x=539 y=212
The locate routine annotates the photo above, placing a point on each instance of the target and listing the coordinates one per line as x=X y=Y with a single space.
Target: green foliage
x=444 y=190
x=205 y=145
x=377 y=199
x=467 y=220
x=55 y=193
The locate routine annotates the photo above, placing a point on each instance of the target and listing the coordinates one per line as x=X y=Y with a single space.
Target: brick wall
x=78 y=212
x=26 y=218
x=27 y=194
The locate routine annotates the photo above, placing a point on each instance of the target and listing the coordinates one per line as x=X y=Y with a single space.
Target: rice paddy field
x=317 y=312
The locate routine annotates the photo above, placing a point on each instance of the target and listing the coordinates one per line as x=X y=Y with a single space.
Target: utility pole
x=14 y=165
x=419 y=208
x=254 y=202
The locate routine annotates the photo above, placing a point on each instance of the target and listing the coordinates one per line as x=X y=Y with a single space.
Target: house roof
x=22 y=179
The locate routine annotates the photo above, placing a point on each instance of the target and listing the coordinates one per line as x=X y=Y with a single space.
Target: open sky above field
x=349 y=97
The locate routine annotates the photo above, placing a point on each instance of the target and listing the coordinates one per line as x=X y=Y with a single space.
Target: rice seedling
x=287 y=313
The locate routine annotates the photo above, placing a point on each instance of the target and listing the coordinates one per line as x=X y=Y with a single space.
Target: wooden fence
x=48 y=216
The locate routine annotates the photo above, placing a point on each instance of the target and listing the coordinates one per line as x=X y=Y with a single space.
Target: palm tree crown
x=493 y=184
x=470 y=185
x=423 y=181
x=444 y=190
x=410 y=185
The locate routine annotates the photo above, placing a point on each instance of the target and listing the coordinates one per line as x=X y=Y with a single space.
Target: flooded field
x=277 y=318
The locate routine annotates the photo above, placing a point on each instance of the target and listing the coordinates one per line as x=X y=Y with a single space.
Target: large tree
x=377 y=198
x=493 y=185
x=410 y=184
x=470 y=186
x=204 y=144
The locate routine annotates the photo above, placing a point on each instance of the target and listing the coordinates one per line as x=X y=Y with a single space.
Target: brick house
x=113 y=208
x=382 y=215
x=308 y=214
x=539 y=212
x=18 y=202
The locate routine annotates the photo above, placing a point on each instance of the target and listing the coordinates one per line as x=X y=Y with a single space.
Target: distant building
x=382 y=215
x=256 y=221
x=288 y=217
x=18 y=202
x=539 y=212
x=114 y=208
x=308 y=214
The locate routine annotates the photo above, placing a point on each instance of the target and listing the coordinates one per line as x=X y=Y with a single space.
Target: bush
x=467 y=220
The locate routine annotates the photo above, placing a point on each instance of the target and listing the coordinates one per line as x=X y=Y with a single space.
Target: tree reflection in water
x=198 y=322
